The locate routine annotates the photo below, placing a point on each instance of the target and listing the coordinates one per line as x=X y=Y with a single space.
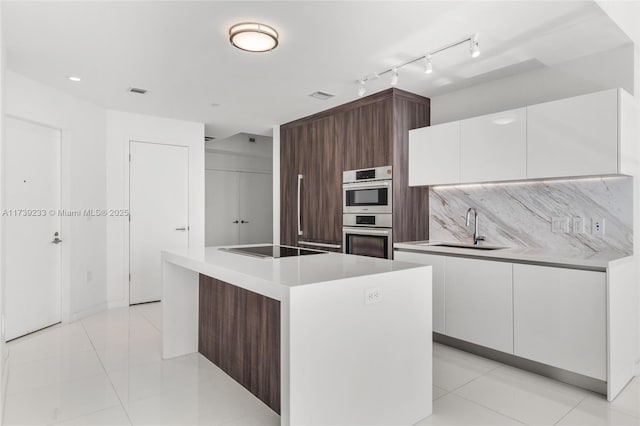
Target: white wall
x=122 y=128
x=3 y=348
x=627 y=15
x=588 y=74
x=82 y=126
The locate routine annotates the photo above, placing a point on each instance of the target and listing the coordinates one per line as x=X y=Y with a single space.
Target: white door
x=32 y=200
x=256 y=212
x=159 y=208
x=222 y=219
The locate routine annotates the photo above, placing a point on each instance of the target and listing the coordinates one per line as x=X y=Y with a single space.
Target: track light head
x=474 y=49
x=428 y=66
x=362 y=89
x=394 y=77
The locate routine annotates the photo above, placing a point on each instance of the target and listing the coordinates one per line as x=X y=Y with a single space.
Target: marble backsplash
x=518 y=214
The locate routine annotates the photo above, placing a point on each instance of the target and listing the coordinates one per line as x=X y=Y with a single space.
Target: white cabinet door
x=573 y=137
x=256 y=211
x=478 y=303
x=437 y=266
x=222 y=216
x=560 y=318
x=434 y=154
x=494 y=147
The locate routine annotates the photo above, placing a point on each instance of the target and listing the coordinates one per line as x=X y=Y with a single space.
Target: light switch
x=578 y=225
x=559 y=224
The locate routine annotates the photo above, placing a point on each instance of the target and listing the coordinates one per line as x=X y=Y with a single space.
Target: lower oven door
x=373 y=242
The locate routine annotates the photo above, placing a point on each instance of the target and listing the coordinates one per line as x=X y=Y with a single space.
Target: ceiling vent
x=137 y=90
x=323 y=96
x=209 y=138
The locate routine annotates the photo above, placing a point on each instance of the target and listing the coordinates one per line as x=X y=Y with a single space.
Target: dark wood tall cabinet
x=369 y=132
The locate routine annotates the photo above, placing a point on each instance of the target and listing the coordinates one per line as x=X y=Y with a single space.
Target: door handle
x=235 y=221
x=299 y=219
x=56 y=240
x=244 y=221
x=181 y=229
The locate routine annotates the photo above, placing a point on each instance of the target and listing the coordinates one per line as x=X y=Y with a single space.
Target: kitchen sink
x=466 y=246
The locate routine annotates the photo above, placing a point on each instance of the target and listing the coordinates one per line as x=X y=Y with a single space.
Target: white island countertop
x=341 y=318
x=273 y=277
x=596 y=261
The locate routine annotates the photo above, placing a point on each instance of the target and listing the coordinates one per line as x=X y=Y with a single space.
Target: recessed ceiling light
x=253 y=37
x=323 y=96
x=137 y=90
x=74 y=78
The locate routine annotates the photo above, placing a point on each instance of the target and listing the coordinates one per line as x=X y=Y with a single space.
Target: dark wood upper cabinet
x=369 y=132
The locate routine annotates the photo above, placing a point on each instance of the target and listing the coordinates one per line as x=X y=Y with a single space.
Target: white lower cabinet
x=437 y=264
x=560 y=318
x=478 y=302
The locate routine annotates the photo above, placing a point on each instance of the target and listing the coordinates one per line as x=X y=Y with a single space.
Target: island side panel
x=179 y=310
x=239 y=331
x=358 y=363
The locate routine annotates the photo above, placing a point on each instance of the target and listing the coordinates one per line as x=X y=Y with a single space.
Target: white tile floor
x=107 y=370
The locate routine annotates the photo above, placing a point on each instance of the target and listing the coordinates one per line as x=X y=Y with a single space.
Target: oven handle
x=299 y=219
x=364 y=231
x=325 y=245
x=378 y=184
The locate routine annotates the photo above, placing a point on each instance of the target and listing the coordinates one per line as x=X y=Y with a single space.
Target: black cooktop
x=271 y=252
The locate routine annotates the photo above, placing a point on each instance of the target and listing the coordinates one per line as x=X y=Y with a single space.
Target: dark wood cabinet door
x=290 y=166
x=239 y=331
x=369 y=135
x=322 y=184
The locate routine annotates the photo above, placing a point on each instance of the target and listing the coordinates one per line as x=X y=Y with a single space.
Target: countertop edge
x=599 y=265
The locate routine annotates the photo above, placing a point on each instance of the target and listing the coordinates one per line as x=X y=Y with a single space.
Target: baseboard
x=112 y=304
x=569 y=377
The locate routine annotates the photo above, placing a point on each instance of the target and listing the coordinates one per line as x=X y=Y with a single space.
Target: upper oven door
x=373 y=197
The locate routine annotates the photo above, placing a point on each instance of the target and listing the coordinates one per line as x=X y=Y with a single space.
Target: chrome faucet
x=476 y=234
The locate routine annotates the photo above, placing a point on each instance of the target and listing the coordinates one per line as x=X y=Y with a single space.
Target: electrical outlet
x=578 y=225
x=559 y=224
x=597 y=226
x=372 y=295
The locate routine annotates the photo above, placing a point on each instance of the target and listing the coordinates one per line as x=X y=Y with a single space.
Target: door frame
x=127 y=203
x=65 y=221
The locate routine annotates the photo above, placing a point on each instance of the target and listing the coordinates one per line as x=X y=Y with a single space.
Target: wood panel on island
x=239 y=331
x=366 y=133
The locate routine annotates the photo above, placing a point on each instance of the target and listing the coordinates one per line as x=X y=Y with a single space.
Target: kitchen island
x=326 y=338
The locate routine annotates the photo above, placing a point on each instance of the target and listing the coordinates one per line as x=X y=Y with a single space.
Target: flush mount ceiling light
x=253 y=37
x=474 y=50
x=74 y=78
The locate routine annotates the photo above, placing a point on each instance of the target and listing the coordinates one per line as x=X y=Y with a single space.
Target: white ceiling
x=180 y=51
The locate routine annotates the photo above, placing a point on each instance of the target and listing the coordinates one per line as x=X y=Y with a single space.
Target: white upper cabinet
x=434 y=155
x=573 y=137
x=586 y=135
x=494 y=147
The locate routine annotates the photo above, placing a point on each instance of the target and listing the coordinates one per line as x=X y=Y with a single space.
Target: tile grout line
x=571 y=410
x=147 y=318
x=107 y=375
x=489 y=408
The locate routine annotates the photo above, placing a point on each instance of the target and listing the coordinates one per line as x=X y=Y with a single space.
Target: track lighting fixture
x=362 y=89
x=428 y=66
x=474 y=50
x=394 y=77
